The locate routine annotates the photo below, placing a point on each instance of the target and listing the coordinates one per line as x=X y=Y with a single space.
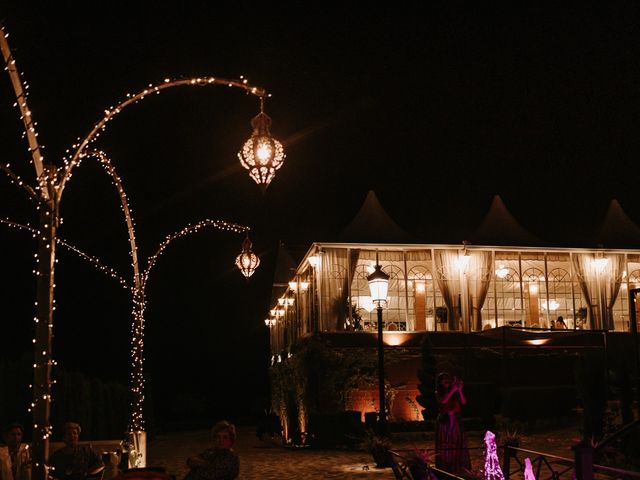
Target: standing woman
x=451 y=442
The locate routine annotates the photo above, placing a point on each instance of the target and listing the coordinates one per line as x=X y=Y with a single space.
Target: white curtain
x=479 y=275
x=585 y=274
x=610 y=284
x=448 y=280
x=333 y=275
x=600 y=279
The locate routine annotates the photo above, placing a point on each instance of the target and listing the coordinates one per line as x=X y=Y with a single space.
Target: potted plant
x=418 y=462
x=378 y=446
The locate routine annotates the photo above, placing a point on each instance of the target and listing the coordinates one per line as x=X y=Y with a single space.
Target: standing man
x=15 y=456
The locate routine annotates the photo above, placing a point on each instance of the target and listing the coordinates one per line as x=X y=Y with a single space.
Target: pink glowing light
x=492 y=470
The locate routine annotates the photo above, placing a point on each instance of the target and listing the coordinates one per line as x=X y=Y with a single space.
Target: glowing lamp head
x=247 y=261
x=314 y=260
x=262 y=154
x=378 y=285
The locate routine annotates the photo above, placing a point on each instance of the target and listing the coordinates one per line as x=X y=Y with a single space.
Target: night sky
x=436 y=108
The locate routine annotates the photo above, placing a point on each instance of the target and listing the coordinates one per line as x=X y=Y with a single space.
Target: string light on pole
x=264 y=156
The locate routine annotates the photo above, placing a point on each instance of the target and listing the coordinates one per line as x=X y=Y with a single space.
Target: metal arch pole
x=51 y=186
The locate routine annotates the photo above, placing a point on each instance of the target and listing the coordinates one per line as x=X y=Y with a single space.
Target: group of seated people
x=76 y=461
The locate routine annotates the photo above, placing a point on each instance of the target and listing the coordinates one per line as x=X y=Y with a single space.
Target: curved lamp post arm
x=25 y=113
x=139 y=302
x=151 y=89
x=192 y=228
x=124 y=203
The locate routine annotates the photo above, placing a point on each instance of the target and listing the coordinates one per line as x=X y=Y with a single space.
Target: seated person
x=219 y=462
x=74 y=461
x=15 y=456
x=560 y=325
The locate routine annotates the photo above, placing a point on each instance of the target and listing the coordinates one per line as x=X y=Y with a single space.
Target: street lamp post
x=261 y=155
x=379 y=285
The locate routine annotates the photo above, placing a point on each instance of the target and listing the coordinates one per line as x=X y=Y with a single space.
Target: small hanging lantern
x=262 y=154
x=247 y=261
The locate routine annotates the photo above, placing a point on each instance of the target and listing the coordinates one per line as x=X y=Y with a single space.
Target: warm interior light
x=304 y=286
x=599 y=264
x=553 y=305
x=270 y=322
x=293 y=286
x=420 y=288
x=502 y=271
x=290 y=301
x=462 y=262
x=533 y=288
x=281 y=301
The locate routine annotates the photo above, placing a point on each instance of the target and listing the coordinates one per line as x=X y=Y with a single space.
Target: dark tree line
x=101 y=408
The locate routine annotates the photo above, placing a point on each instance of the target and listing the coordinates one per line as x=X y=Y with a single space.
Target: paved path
x=258 y=460
x=261 y=461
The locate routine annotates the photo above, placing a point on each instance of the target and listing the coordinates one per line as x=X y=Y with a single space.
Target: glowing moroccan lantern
x=262 y=154
x=247 y=261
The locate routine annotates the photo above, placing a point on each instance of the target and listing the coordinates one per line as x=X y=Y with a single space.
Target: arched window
x=560 y=302
x=534 y=291
x=508 y=300
x=394 y=317
x=421 y=298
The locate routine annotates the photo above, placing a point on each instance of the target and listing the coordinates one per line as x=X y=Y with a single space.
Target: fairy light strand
x=96 y=262
x=139 y=301
x=79 y=148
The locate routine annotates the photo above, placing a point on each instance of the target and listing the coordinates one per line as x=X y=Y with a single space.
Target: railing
x=407 y=468
x=553 y=467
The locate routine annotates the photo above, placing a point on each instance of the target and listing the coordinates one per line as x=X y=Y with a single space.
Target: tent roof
x=372 y=224
x=499 y=227
x=617 y=229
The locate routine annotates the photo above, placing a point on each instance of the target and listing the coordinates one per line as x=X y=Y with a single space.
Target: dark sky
x=437 y=108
